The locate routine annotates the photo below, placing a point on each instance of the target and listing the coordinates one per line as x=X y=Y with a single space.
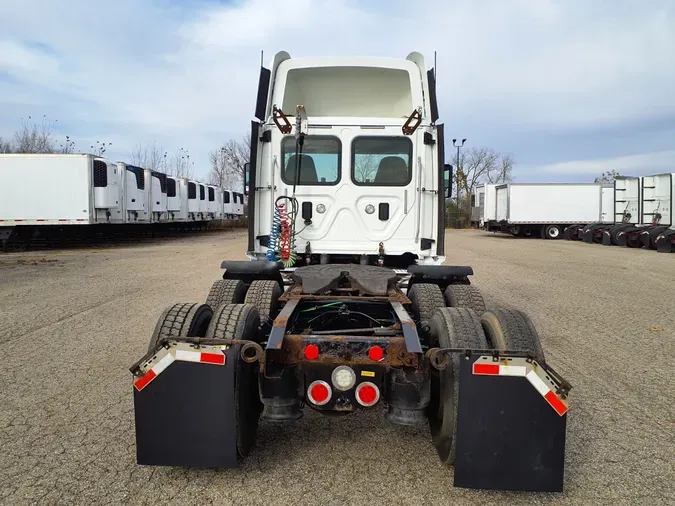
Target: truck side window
x=320 y=160
x=382 y=161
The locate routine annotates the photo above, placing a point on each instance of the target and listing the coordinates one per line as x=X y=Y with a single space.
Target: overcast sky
x=571 y=87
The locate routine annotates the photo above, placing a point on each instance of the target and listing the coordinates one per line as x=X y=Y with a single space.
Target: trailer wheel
x=552 y=232
x=226 y=291
x=510 y=329
x=451 y=327
x=464 y=296
x=264 y=294
x=184 y=319
x=241 y=322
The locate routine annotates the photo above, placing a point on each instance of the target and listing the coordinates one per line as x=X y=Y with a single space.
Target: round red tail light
x=367 y=394
x=311 y=351
x=376 y=353
x=319 y=392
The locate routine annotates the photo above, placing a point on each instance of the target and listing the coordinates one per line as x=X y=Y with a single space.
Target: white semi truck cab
x=347 y=163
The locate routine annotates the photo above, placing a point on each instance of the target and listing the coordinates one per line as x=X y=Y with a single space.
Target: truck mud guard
x=184 y=406
x=248 y=270
x=665 y=242
x=442 y=275
x=511 y=424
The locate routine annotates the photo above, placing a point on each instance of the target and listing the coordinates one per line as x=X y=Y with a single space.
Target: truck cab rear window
x=320 y=160
x=202 y=194
x=382 y=161
x=192 y=191
x=212 y=195
x=226 y=197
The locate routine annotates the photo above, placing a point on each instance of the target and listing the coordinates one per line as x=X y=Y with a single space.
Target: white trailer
x=546 y=209
x=658 y=199
x=237 y=204
x=55 y=189
x=136 y=193
x=227 y=204
x=214 y=204
x=484 y=205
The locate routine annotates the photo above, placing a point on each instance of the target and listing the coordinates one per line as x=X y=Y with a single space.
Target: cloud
x=638 y=164
x=521 y=73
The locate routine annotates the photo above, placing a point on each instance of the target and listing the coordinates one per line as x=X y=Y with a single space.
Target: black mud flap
x=664 y=242
x=509 y=437
x=185 y=414
x=588 y=236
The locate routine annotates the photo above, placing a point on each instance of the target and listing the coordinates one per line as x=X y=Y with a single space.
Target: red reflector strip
x=143 y=381
x=486 y=368
x=213 y=358
x=203 y=358
x=154 y=371
x=556 y=403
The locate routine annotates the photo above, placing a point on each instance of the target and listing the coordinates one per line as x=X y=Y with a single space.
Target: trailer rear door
x=627 y=199
x=657 y=198
x=502 y=202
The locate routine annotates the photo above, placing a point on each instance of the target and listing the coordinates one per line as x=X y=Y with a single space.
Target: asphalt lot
x=72 y=322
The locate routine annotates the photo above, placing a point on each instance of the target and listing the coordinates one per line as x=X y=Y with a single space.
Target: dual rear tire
x=452 y=327
x=228 y=322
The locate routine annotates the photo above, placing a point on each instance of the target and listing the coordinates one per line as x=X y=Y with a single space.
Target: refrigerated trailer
x=55 y=189
x=655 y=214
x=626 y=212
x=545 y=209
x=40 y=190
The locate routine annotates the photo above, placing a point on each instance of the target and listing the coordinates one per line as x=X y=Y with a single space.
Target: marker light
x=311 y=351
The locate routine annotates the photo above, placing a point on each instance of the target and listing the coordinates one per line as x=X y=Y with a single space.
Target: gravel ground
x=72 y=322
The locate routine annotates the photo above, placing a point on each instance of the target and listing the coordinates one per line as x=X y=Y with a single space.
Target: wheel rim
x=553 y=232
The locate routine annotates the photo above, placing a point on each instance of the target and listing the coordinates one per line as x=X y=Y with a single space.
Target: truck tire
x=264 y=295
x=426 y=298
x=553 y=232
x=241 y=322
x=464 y=296
x=512 y=330
x=451 y=327
x=226 y=291
x=184 y=319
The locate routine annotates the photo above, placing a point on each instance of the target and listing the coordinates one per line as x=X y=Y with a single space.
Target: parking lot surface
x=72 y=322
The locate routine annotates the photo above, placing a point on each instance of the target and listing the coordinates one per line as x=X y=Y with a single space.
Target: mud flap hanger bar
x=197 y=344
x=439 y=358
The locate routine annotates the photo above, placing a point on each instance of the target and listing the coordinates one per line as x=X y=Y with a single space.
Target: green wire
x=323 y=306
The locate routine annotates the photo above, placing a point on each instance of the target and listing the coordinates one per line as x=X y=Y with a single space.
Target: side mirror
x=247 y=178
x=447 y=180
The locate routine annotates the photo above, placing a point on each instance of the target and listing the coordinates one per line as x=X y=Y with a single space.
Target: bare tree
x=608 y=177
x=503 y=173
x=228 y=162
x=149 y=157
x=68 y=146
x=180 y=165
x=100 y=148
x=6 y=146
x=35 y=137
x=365 y=167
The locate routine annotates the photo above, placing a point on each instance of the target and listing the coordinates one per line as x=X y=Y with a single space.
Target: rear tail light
x=311 y=352
x=376 y=353
x=367 y=394
x=319 y=392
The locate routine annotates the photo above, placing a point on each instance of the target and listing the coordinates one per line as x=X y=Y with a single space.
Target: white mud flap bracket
x=184 y=406
x=511 y=424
